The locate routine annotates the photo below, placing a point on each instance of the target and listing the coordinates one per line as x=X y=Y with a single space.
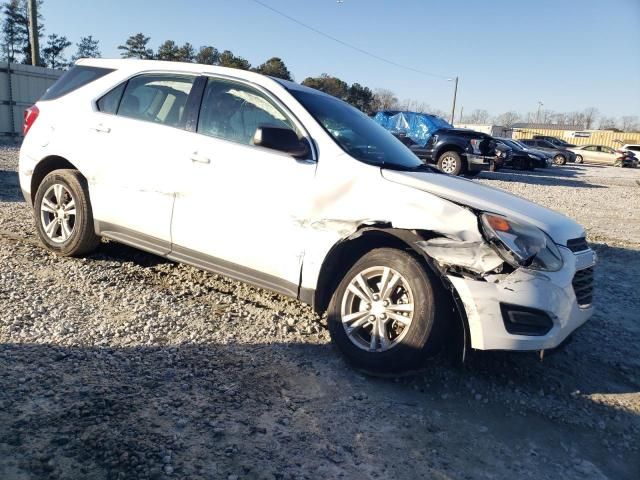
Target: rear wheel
x=559 y=159
x=451 y=163
x=63 y=216
x=579 y=159
x=388 y=313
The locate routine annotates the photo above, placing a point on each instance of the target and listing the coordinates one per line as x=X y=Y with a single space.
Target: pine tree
x=275 y=67
x=208 y=56
x=186 y=53
x=13 y=38
x=52 y=53
x=136 y=47
x=168 y=51
x=87 y=48
x=228 y=59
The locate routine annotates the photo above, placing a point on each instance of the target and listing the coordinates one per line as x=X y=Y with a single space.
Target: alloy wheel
x=449 y=164
x=58 y=213
x=377 y=309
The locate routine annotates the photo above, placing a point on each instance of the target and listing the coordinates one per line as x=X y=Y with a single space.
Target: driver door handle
x=198 y=157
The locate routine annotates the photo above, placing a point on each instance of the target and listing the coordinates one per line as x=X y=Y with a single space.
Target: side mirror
x=281 y=139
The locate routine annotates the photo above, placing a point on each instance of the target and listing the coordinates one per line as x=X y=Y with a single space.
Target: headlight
x=533 y=156
x=521 y=244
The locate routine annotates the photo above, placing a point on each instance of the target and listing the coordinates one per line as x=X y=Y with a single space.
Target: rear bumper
x=26 y=165
x=549 y=292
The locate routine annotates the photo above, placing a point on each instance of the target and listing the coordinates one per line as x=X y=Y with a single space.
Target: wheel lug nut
x=372 y=318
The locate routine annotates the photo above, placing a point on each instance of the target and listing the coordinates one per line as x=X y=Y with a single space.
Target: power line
x=353 y=47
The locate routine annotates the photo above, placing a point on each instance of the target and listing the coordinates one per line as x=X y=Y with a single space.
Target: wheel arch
x=44 y=168
x=346 y=252
x=449 y=147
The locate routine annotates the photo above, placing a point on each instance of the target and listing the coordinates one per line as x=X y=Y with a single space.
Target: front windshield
x=357 y=134
x=520 y=144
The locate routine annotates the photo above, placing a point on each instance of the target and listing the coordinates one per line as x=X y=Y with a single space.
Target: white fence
x=20 y=87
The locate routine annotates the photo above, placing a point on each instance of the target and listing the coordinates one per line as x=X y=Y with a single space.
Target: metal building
x=20 y=87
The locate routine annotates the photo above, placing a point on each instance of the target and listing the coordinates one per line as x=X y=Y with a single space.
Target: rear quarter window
x=76 y=77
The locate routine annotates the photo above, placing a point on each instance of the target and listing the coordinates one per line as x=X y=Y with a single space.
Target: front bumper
x=550 y=292
x=480 y=162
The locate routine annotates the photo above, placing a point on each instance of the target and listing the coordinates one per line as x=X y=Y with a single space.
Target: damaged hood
x=489 y=199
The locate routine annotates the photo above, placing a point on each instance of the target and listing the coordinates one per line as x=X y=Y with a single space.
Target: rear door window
x=157 y=98
x=74 y=78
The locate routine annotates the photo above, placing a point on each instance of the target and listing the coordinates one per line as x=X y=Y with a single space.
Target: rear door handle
x=198 y=157
x=101 y=128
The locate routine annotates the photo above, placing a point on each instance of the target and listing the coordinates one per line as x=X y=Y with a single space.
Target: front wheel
x=451 y=163
x=579 y=159
x=64 y=220
x=388 y=313
x=559 y=160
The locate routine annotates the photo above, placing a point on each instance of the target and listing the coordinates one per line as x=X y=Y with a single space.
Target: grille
x=583 y=286
x=577 y=244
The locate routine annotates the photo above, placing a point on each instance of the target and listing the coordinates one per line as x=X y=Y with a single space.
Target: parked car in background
x=555 y=141
x=605 y=155
x=288 y=188
x=454 y=151
x=522 y=157
x=632 y=147
x=560 y=155
x=548 y=156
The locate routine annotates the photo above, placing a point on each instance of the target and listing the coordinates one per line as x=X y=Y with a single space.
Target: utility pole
x=538 y=114
x=33 y=31
x=455 y=94
x=461 y=112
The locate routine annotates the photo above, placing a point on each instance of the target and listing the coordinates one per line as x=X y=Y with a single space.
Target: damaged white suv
x=287 y=188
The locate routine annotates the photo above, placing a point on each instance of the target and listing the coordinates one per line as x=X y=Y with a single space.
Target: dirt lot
x=123 y=365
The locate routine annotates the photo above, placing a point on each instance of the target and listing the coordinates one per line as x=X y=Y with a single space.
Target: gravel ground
x=123 y=365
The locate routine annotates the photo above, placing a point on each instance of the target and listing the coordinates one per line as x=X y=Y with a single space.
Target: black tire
x=579 y=159
x=560 y=159
x=425 y=334
x=451 y=158
x=82 y=238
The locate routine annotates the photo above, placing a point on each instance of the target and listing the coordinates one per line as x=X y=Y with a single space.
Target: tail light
x=30 y=115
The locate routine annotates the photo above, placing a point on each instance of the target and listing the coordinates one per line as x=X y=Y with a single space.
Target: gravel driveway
x=123 y=365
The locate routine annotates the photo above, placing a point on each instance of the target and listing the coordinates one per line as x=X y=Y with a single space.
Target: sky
x=508 y=55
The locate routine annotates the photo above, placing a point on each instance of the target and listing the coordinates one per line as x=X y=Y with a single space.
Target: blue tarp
x=417 y=126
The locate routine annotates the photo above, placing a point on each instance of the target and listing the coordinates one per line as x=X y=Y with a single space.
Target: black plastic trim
x=232 y=270
x=202 y=261
x=194 y=103
x=134 y=239
x=541 y=325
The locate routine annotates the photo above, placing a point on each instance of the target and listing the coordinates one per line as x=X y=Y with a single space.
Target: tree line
x=16 y=44
x=587 y=119
x=17 y=48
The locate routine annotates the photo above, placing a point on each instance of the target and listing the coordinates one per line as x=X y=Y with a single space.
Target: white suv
x=290 y=189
